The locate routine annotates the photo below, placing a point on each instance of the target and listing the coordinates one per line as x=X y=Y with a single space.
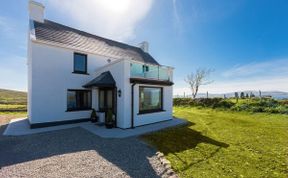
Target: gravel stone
x=77 y=153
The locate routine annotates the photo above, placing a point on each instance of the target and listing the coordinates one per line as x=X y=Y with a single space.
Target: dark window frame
x=79 y=108
x=146 y=111
x=77 y=71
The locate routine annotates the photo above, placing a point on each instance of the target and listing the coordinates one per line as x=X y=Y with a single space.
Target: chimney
x=36 y=11
x=144 y=46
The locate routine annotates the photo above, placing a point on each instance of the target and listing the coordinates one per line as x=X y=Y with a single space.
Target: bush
x=251 y=105
x=203 y=102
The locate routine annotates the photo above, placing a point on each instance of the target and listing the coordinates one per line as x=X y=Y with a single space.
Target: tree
x=236 y=96
x=195 y=80
x=247 y=96
x=242 y=95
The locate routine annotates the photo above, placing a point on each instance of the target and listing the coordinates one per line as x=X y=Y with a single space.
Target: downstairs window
x=150 y=99
x=78 y=100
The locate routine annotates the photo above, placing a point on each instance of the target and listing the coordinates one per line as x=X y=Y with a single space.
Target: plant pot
x=109 y=125
x=94 y=119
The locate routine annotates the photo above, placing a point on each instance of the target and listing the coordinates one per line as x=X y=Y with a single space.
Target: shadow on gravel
x=130 y=154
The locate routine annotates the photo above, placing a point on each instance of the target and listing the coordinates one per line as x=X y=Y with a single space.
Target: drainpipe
x=132 y=105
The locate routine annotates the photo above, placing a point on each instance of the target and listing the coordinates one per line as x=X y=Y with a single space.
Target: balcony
x=153 y=72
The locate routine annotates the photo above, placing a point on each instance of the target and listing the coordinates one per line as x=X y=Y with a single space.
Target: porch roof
x=105 y=79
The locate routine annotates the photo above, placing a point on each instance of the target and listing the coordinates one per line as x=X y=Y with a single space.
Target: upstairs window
x=78 y=100
x=80 y=63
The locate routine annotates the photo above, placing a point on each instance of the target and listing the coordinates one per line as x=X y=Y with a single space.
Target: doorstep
x=21 y=126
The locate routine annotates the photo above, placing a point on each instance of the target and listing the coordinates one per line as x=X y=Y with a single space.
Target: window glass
x=101 y=99
x=80 y=63
x=71 y=99
x=109 y=99
x=105 y=99
x=150 y=99
x=78 y=99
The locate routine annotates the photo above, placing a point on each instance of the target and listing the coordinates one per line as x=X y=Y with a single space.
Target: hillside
x=12 y=97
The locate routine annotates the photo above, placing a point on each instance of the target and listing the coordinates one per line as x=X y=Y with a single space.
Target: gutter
x=132 y=105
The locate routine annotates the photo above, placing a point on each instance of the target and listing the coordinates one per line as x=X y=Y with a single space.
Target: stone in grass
x=165 y=162
x=167 y=166
x=170 y=172
x=159 y=154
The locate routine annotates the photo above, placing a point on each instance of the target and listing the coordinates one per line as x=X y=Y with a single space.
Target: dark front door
x=106 y=100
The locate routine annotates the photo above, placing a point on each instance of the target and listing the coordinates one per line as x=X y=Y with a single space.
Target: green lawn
x=5 y=117
x=225 y=144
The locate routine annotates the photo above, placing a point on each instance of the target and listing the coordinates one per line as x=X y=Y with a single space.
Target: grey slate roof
x=105 y=79
x=56 y=33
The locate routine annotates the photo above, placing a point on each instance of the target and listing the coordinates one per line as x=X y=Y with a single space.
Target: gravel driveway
x=76 y=153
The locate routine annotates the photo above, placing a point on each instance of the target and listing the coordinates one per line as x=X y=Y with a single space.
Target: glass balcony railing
x=138 y=70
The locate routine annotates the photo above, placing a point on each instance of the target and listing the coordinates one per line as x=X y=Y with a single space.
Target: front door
x=106 y=100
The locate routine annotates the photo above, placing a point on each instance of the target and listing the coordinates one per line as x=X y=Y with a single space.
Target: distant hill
x=12 y=97
x=274 y=94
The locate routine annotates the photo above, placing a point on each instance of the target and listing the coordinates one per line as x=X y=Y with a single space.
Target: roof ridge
x=54 y=32
x=92 y=35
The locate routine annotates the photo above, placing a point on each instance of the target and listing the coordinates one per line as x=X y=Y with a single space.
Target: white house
x=71 y=72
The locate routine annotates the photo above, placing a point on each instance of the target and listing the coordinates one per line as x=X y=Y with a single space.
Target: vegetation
x=13 y=104
x=13 y=101
x=195 y=80
x=218 y=143
x=5 y=117
x=268 y=105
x=13 y=97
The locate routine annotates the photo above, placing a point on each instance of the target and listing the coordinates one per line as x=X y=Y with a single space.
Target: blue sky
x=245 y=42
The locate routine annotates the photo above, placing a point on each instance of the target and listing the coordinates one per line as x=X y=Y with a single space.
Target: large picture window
x=150 y=99
x=78 y=100
x=80 y=63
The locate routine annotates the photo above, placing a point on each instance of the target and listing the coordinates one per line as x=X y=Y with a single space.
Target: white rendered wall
x=50 y=75
x=148 y=118
x=29 y=69
x=142 y=119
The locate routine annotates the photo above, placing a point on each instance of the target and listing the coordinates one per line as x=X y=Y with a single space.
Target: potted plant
x=94 y=117
x=109 y=120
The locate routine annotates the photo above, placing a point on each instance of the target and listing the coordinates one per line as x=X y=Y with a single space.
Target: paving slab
x=21 y=126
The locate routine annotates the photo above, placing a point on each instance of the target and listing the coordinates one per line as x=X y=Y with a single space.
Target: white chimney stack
x=36 y=11
x=144 y=46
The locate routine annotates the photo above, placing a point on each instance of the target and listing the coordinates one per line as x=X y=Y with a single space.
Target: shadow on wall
x=129 y=155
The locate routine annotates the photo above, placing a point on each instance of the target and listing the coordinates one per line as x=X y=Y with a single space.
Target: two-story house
x=71 y=72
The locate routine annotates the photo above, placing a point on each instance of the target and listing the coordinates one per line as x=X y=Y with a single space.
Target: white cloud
x=266 y=76
x=114 y=19
x=266 y=68
x=177 y=20
x=265 y=84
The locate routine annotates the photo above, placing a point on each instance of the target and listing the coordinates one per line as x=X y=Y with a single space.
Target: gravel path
x=76 y=153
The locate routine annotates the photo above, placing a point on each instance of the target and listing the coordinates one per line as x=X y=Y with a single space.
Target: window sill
x=83 y=73
x=151 y=111
x=75 y=110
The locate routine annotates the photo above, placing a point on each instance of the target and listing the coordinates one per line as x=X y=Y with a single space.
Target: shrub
x=203 y=102
x=252 y=105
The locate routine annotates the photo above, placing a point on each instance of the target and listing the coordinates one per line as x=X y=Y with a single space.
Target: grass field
x=13 y=104
x=5 y=117
x=225 y=144
x=13 y=97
